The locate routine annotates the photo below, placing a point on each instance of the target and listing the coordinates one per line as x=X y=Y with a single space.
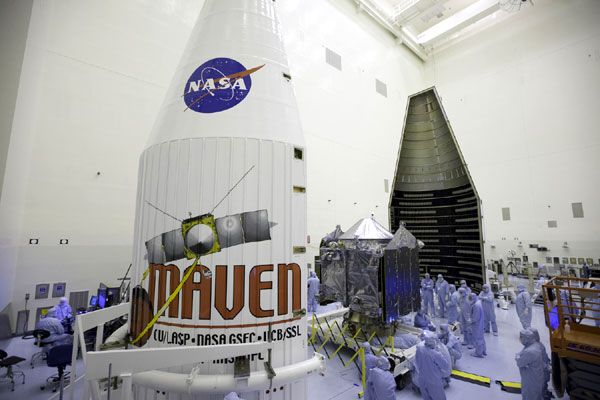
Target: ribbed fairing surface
x=189 y=177
x=434 y=195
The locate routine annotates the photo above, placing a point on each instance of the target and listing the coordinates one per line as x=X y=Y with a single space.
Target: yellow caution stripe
x=471 y=378
x=314 y=331
x=510 y=387
x=189 y=272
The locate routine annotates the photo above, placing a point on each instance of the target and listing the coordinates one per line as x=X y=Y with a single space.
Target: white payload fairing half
x=221 y=214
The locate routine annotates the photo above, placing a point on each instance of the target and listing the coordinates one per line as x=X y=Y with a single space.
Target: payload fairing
x=435 y=196
x=221 y=208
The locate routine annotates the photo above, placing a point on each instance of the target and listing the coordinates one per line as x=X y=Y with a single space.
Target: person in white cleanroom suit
x=433 y=368
x=313 y=292
x=454 y=298
x=585 y=271
x=427 y=290
x=531 y=366
x=63 y=310
x=64 y=314
x=370 y=358
x=524 y=306
x=57 y=332
x=463 y=317
x=405 y=340
x=451 y=342
x=441 y=289
x=423 y=321
x=463 y=284
x=441 y=347
x=381 y=384
x=489 y=310
x=476 y=319
x=547 y=366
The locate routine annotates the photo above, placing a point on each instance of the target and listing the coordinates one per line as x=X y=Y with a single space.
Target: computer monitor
x=101 y=298
x=112 y=296
x=93 y=301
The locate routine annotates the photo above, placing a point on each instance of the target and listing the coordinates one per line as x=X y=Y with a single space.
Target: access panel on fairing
x=434 y=195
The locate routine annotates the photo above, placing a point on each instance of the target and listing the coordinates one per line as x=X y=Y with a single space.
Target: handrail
x=83 y=323
x=140 y=365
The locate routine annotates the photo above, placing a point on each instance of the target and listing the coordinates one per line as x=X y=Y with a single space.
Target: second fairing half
x=434 y=196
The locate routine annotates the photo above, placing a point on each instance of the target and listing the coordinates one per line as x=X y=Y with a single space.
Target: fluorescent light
x=464 y=17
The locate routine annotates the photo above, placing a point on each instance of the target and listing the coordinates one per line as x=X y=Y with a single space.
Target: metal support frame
x=401 y=37
x=139 y=366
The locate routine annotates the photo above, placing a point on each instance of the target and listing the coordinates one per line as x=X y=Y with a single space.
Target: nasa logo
x=218 y=85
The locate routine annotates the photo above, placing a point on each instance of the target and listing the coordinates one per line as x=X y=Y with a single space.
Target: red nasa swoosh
x=236 y=76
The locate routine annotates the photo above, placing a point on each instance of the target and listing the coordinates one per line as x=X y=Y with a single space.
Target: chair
x=59 y=356
x=8 y=363
x=39 y=335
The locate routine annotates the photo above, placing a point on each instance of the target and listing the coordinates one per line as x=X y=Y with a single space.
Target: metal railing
x=571 y=300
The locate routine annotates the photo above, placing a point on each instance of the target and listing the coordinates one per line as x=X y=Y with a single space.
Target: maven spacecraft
x=373 y=273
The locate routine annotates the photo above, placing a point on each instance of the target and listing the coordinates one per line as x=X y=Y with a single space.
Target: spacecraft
x=373 y=273
x=434 y=195
x=221 y=215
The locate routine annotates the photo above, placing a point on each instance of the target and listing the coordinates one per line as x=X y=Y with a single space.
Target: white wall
x=14 y=23
x=523 y=100
x=352 y=132
x=94 y=75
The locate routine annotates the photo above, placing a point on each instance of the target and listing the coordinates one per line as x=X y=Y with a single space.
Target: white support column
x=99 y=335
x=126 y=390
x=76 y=339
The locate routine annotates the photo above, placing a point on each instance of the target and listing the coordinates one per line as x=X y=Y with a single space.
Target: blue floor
x=342 y=383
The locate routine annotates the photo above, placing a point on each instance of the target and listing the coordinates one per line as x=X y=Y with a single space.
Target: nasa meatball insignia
x=218 y=85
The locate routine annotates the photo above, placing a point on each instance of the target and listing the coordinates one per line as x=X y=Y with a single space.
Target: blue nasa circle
x=217 y=86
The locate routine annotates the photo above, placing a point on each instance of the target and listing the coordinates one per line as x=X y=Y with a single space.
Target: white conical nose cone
x=230 y=81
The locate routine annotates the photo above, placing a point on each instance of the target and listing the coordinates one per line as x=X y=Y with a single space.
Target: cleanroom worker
x=489 y=310
x=547 y=366
x=427 y=289
x=454 y=297
x=463 y=317
x=531 y=366
x=423 y=321
x=370 y=358
x=524 y=306
x=477 y=328
x=441 y=289
x=463 y=284
x=381 y=384
x=63 y=310
x=432 y=367
x=57 y=332
x=313 y=292
x=451 y=342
